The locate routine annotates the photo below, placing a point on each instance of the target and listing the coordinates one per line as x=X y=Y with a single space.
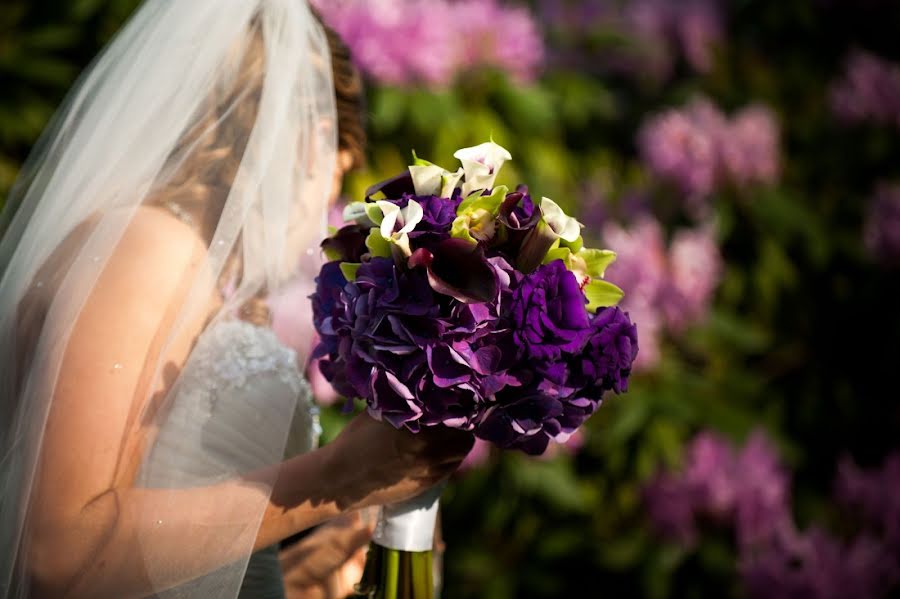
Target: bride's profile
x=156 y=439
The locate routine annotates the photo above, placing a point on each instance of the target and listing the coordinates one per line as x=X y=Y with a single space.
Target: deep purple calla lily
x=348 y=244
x=518 y=212
x=458 y=269
x=392 y=188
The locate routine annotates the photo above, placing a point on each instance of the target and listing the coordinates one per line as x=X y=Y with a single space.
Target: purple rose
x=548 y=313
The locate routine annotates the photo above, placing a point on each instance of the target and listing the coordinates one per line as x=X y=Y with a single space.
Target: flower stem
x=391 y=573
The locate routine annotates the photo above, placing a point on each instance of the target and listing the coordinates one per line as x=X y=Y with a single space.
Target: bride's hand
x=375 y=463
x=329 y=561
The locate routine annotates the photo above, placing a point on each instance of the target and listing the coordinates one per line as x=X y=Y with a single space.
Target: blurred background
x=743 y=158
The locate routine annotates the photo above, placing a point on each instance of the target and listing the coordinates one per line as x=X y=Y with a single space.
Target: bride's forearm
x=132 y=541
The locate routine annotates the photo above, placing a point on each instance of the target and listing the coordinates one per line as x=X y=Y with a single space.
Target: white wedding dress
x=237 y=385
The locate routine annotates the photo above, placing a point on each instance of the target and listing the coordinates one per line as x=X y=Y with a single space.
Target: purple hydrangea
x=328 y=307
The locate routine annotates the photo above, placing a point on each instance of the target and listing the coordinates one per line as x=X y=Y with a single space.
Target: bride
x=155 y=437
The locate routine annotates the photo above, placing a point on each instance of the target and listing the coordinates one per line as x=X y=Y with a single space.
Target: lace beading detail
x=230 y=352
x=226 y=385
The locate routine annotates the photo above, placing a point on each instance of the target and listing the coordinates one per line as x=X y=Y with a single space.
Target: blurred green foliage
x=803 y=340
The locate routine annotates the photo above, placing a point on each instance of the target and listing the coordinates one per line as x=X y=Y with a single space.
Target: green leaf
x=597 y=260
x=349 y=270
x=389 y=108
x=460 y=229
x=375 y=214
x=575 y=246
x=602 y=294
x=490 y=203
x=420 y=161
x=557 y=254
x=378 y=245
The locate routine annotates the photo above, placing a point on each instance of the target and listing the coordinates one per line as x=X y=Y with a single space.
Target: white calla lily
x=427 y=179
x=565 y=227
x=406 y=218
x=481 y=165
x=449 y=181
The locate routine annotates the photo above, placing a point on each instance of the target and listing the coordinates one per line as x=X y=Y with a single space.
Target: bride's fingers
x=358 y=538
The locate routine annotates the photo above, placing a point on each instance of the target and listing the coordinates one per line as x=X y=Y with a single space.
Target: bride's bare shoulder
x=156 y=259
x=156 y=236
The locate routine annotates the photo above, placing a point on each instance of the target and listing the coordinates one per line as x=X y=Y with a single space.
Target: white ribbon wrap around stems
x=409 y=525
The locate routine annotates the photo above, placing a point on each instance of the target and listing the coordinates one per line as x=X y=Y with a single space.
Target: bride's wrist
x=340 y=475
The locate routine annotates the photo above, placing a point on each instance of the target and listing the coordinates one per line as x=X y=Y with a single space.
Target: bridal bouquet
x=449 y=301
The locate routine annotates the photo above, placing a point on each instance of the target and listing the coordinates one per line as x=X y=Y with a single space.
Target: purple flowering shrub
x=748 y=490
x=867 y=90
x=669 y=287
x=401 y=42
x=700 y=150
x=881 y=232
x=452 y=302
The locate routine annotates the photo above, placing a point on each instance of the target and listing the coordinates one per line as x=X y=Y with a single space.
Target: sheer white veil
x=139 y=126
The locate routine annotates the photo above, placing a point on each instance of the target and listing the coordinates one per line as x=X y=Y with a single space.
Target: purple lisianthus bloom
x=438 y=215
x=605 y=363
x=548 y=313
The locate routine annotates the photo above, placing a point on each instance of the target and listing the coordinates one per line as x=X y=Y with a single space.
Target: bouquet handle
x=399 y=564
x=409 y=525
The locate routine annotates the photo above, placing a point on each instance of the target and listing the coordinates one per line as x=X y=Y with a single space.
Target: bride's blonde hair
x=205 y=162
